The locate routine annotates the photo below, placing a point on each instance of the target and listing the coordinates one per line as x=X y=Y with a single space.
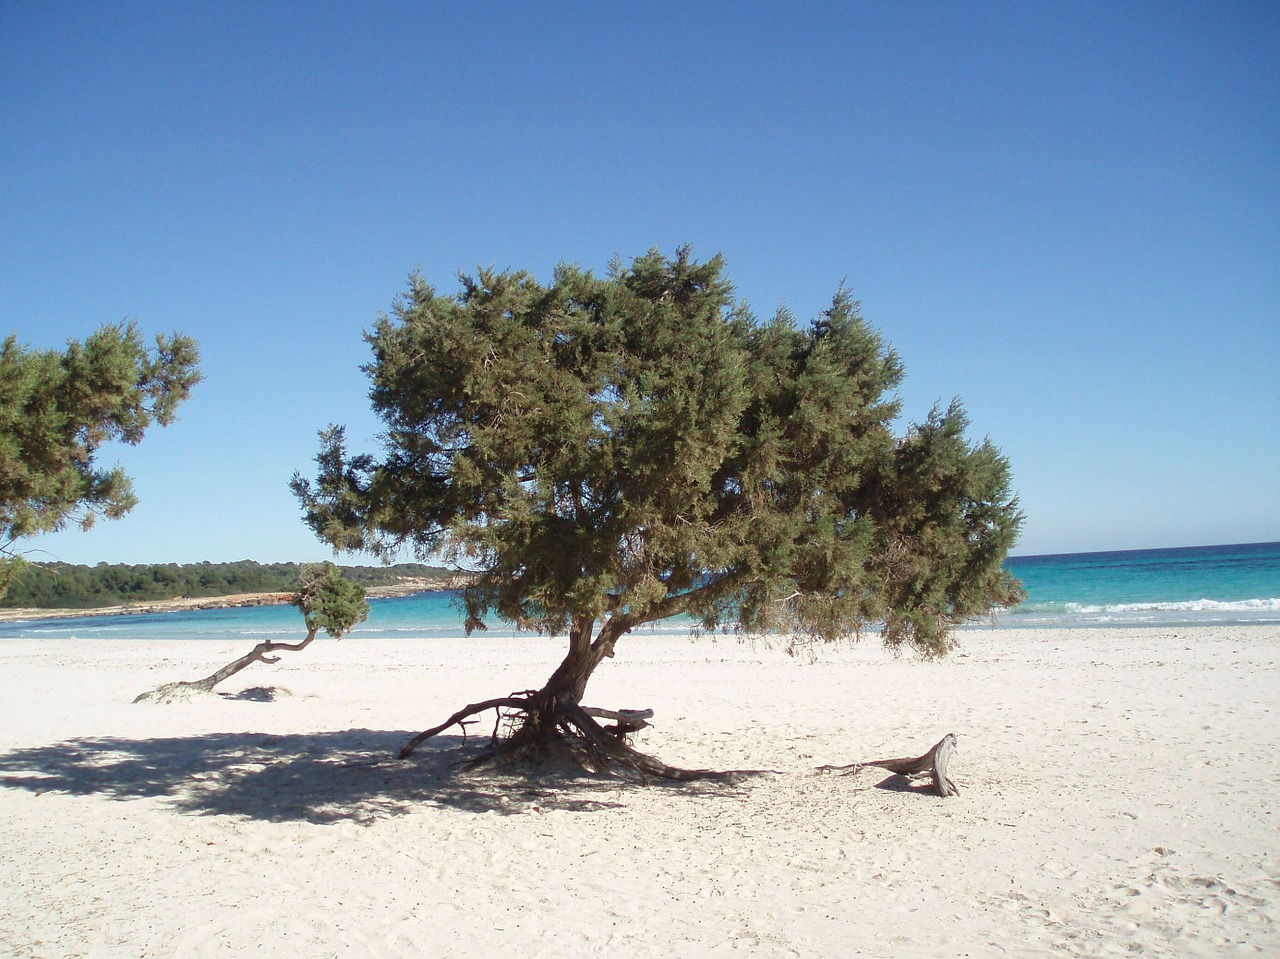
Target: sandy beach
x=1118 y=798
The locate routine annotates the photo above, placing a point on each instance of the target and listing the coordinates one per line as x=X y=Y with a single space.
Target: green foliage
x=63 y=586
x=10 y=567
x=58 y=408
x=328 y=602
x=618 y=450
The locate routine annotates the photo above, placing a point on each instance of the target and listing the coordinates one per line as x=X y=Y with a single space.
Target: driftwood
x=934 y=762
x=625 y=721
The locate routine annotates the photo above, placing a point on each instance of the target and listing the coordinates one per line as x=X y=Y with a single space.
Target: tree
x=609 y=451
x=56 y=411
x=327 y=602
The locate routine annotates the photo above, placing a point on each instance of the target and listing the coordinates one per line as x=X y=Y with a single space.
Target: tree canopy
x=639 y=445
x=610 y=451
x=329 y=602
x=57 y=408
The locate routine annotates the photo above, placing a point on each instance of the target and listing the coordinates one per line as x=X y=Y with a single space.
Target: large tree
x=57 y=408
x=609 y=451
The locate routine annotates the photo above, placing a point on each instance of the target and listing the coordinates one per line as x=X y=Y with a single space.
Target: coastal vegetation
x=610 y=451
x=327 y=602
x=64 y=586
x=57 y=408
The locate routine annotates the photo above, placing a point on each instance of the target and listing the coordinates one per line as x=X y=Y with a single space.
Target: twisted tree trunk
x=552 y=721
x=171 y=692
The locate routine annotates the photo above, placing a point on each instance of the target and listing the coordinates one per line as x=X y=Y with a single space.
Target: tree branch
x=677 y=603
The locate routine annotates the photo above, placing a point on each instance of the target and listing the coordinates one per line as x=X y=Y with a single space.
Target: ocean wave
x=1186 y=606
x=1154 y=613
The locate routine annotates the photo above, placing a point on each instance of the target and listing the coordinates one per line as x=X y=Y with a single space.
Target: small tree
x=56 y=411
x=327 y=602
x=608 y=452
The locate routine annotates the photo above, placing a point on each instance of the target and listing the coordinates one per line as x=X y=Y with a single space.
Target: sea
x=1200 y=585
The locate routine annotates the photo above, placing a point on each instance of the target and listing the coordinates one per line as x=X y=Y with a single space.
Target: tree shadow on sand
x=326 y=777
x=901 y=784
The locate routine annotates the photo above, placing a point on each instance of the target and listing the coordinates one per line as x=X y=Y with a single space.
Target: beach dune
x=1117 y=799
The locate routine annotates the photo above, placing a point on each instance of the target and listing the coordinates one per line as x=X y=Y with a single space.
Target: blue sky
x=1067 y=214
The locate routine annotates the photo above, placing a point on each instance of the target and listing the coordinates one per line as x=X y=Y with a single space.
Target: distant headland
x=49 y=590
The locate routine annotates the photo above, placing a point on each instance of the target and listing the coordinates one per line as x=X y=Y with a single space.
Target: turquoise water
x=1200 y=584
x=423 y=616
x=1197 y=585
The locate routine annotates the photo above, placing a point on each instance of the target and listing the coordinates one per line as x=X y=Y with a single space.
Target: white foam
x=1201 y=606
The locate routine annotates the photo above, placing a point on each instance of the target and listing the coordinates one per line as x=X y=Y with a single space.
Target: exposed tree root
x=462 y=719
x=532 y=728
x=934 y=762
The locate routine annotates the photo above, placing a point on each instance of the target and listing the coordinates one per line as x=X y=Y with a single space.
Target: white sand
x=1119 y=797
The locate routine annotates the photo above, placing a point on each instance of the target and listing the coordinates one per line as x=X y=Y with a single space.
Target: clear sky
x=1067 y=214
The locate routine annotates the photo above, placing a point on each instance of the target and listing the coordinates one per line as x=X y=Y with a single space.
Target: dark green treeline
x=63 y=586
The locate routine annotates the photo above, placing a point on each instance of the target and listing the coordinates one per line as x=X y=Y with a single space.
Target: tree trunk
x=568 y=684
x=547 y=708
x=170 y=692
x=552 y=721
